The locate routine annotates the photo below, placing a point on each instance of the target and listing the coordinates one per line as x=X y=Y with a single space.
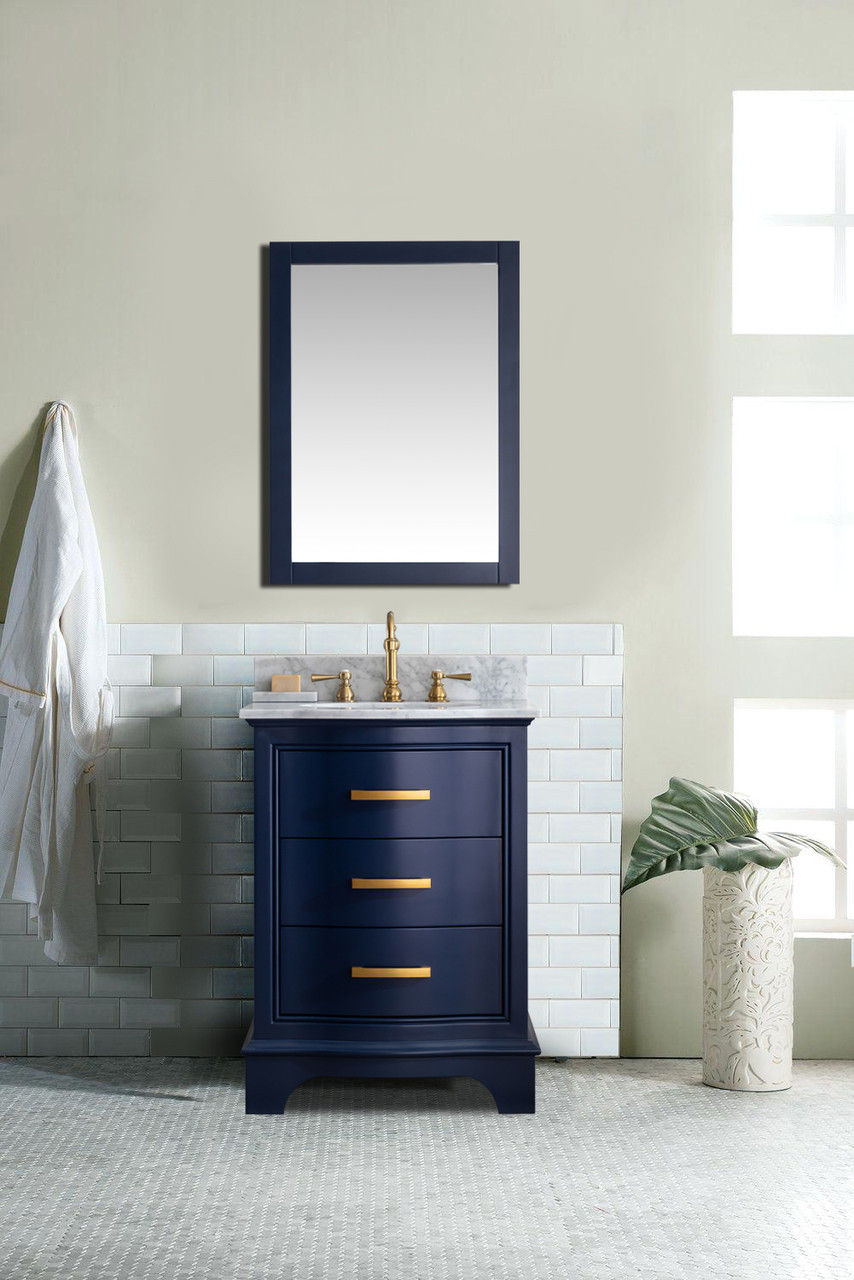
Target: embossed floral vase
x=748 y=962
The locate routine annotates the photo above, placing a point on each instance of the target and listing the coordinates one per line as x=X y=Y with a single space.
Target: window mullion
x=841 y=819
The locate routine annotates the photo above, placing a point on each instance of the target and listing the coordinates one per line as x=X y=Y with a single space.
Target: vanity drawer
x=461 y=971
x=391 y=793
x=440 y=882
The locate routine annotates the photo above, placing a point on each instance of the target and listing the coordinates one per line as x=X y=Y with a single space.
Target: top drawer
x=322 y=793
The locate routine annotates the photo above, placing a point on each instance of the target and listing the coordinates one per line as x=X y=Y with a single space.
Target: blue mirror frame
x=283 y=571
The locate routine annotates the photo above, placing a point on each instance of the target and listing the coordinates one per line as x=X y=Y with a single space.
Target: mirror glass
x=394 y=412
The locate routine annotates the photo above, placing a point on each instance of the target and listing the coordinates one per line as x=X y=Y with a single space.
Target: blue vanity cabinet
x=390 y=904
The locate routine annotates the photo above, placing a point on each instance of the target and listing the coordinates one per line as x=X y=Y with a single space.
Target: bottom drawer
x=465 y=972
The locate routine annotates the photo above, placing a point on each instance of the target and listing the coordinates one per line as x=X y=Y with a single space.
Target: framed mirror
x=394 y=413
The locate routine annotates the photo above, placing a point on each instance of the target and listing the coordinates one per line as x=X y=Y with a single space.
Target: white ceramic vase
x=748 y=962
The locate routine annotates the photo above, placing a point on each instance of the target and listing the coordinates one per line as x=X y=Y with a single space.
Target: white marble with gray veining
x=494 y=677
x=389 y=710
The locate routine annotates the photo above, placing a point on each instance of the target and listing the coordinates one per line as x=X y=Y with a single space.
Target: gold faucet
x=391 y=644
x=345 y=689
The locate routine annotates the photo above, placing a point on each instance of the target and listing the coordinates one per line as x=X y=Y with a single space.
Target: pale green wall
x=147 y=151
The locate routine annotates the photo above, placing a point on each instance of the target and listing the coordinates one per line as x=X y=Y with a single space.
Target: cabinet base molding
x=271 y=1078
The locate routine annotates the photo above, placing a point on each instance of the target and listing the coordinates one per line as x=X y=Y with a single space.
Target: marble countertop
x=496 y=710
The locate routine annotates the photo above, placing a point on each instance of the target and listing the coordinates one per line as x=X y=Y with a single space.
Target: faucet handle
x=345 y=689
x=437 y=689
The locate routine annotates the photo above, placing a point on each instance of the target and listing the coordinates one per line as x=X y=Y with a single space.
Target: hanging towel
x=53 y=670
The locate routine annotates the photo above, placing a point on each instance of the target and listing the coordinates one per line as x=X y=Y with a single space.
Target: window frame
x=841 y=814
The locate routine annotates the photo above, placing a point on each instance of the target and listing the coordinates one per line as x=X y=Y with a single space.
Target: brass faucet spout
x=391 y=644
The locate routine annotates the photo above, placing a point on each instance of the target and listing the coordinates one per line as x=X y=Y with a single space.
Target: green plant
x=694 y=826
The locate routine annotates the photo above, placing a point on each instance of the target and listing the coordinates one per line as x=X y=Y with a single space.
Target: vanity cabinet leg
x=511 y=1084
x=269 y=1084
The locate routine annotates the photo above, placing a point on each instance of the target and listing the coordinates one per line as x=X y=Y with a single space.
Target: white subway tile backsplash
x=157 y=763
x=412 y=636
x=579 y=889
x=120 y=982
x=538 y=696
x=216 y=701
x=580 y=1013
x=520 y=637
x=553 y=797
x=538 y=766
x=581 y=701
x=599 y=919
x=606 y=732
x=169 y=669
x=116 y=1044
x=555 y=984
x=600 y=1043
x=563 y=1042
x=149 y=1013
x=538 y=827
x=58 y=980
x=140 y=701
x=600 y=859
x=129 y=669
x=13 y=980
x=538 y=1011
x=552 y=918
x=580 y=765
x=90 y=1012
x=554 y=670
x=133 y=732
x=553 y=732
x=219 y=765
x=555 y=859
x=28 y=1011
x=150 y=639
x=180 y=731
x=582 y=638
x=176 y=903
x=581 y=828
x=601 y=797
x=234 y=670
x=456 y=637
x=50 y=1043
x=600 y=984
x=538 y=888
x=275 y=638
x=578 y=952
x=114 y=638
x=336 y=637
x=213 y=637
x=602 y=670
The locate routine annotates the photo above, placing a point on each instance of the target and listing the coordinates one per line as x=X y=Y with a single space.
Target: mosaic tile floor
x=147 y=1169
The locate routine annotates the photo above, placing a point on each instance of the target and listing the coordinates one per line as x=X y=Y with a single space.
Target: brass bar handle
x=389 y=795
x=358 y=971
x=358 y=882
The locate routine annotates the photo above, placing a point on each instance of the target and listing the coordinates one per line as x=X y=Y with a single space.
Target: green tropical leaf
x=694 y=826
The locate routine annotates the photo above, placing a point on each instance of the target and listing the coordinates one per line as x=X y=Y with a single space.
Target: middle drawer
x=463 y=886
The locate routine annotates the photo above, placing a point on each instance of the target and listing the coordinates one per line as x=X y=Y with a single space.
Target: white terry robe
x=53 y=670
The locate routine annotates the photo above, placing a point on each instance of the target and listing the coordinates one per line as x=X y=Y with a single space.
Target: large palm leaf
x=695 y=826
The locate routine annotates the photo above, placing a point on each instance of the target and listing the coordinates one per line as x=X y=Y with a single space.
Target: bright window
x=794 y=762
x=793 y=516
x=793 y=212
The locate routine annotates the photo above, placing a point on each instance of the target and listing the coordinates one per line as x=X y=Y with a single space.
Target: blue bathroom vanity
x=390 y=897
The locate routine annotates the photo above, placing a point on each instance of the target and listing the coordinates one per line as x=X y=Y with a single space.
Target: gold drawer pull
x=359 y=883
x=389 y=795
x=358 y=971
